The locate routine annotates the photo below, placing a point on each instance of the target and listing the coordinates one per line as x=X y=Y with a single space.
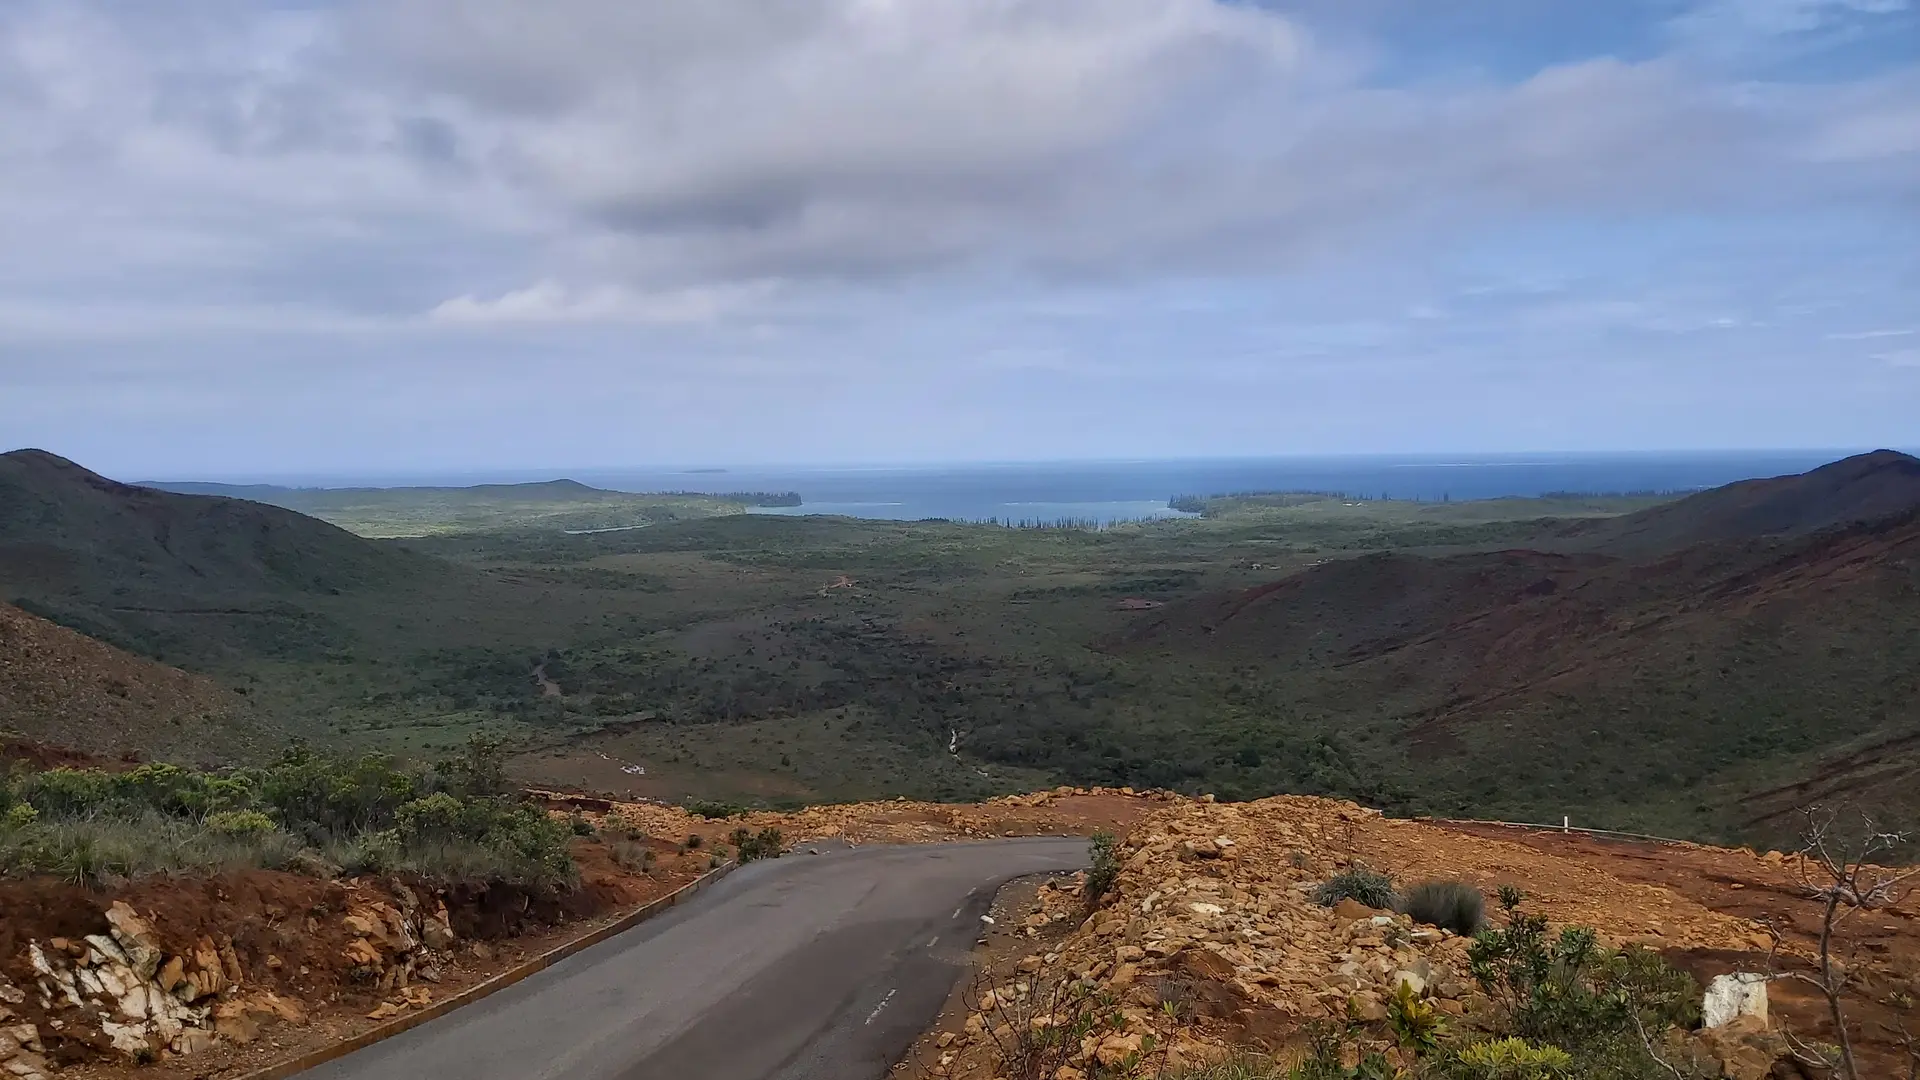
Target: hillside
x=552 y=505
x=1727 y=681
x=60 y=686
x=1866 y=487
x=164 y=573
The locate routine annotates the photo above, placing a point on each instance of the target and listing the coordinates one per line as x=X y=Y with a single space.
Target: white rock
x=1206 y=909
x=1730 y=997
x=117 y=978
x=108 y=948
x=127 y=1038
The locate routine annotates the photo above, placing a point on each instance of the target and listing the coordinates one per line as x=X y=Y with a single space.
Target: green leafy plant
x=1103 y=865
x=1510 y=1059
x=1417 y=1025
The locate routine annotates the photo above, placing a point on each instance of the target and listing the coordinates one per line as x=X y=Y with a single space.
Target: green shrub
x=479 y=772
x=1570 y=992
x=765 y=844
x=239 y=823
x=1103 y=867
x=694 y=840
x=1510 y=1059
x=714 y=811
x=439 y=816
x=1453 y=905
x=1369 y=887
x=305 y=811
x=579 y=824
x=314 y=796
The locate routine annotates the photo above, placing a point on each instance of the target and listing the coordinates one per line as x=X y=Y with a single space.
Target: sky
x=241 y=237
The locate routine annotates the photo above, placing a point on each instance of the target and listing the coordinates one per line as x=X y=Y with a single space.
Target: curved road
x=803 y=968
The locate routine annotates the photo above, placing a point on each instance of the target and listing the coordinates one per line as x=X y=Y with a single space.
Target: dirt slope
x=62 y=687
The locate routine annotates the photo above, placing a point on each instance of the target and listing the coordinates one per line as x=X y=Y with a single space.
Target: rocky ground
x=222 y=975
x=1209 y=941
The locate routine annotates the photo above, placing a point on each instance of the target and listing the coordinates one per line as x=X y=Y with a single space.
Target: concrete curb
x=314 y=1058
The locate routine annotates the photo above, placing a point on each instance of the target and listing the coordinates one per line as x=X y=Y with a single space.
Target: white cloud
x=552 y=302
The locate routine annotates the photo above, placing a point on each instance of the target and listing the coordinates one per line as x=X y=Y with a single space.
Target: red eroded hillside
x=66 y=688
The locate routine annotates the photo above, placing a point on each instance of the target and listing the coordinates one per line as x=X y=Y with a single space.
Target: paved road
x=811 y=967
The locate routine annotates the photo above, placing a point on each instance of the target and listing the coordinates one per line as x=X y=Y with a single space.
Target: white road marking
x=875 y=1014
x=935 y=940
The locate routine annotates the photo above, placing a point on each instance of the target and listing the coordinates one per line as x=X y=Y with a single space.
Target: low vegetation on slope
x=1451 y=658
x=57 y=685
x=306 y=812
x=556 y=505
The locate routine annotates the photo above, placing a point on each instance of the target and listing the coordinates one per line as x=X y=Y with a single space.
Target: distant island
x=704 y=472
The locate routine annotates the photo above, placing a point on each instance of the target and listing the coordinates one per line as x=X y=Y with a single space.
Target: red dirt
x=288 y=933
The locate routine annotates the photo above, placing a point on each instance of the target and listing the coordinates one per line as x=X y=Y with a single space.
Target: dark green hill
x=1865 y=487
x=294 y=497
x=1723 y=650
x=179 y=575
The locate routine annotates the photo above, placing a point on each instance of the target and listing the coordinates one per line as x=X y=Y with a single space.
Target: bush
x=714 y=811
x=631 y=856
x=1453 y=905
x=1510 y=1059
x=314 y=796
x=1570 y=992
x=1103 y=865
x=694 y=840
x=1369 y=887
x=766 y=844
x=239 y=823
x=579 y=824
x=305 y=811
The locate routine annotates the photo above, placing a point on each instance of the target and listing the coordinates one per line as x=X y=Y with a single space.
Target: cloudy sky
x=240 y=236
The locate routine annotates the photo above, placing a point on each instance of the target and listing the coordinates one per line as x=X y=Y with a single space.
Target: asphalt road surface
x=810 y=967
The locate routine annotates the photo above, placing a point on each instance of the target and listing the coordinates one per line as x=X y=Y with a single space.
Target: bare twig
x=1646 y=1042
x=1845 y=881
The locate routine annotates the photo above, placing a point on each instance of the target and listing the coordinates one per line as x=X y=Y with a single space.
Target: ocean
x=1131 y=490
x=1110 y=491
